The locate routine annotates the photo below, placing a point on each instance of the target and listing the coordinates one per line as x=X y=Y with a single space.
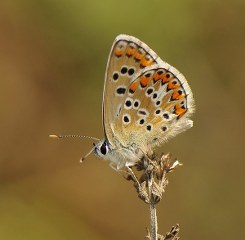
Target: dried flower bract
x=150 y=181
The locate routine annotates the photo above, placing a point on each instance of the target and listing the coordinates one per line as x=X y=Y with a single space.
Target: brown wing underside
x=128 y=55
x=146 y=101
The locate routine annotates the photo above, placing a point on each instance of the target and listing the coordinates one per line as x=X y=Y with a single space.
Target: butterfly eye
x=104 y=148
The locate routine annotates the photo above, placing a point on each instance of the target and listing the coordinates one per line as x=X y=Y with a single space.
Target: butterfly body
x=119 y=156
x=146 y=101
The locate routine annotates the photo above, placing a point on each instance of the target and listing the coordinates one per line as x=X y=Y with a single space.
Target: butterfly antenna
x=73 y=136
x=77 y=136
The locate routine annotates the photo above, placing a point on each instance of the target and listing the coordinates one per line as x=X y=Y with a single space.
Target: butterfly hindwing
x=155 y=108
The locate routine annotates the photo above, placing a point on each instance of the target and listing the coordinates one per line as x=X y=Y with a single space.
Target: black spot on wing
x=121 y=90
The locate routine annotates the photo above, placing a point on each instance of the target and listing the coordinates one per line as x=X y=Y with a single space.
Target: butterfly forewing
x=128 y=55
x=146 y=100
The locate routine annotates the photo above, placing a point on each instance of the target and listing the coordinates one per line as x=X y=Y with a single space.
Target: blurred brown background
x=52 y=62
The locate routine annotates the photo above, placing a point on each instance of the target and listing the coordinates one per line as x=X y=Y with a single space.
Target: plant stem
x=153 y=213
x=153 y=216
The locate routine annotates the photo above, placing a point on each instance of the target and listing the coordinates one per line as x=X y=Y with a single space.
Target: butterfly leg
x=141 y=188
x=134 y=178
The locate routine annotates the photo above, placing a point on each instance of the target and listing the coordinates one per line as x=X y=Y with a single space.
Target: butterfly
x=146 y=101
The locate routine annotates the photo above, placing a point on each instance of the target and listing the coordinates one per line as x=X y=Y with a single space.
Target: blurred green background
x=52 y=62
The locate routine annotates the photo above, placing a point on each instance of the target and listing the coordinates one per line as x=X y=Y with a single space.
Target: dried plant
x=150 y=181
x=149 y=178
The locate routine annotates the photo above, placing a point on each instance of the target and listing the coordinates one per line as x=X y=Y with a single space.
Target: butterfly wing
x=156 y=107
x=146 y=101
x=128 y=55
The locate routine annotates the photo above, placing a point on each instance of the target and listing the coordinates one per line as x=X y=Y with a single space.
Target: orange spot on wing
x=130 y=52
x=172 y=85
x=166 y=79
x=145 y=62
x=156 y=77
x=177 y=96
x=144 y=81
x=179 y=110
x=119 y=52
x=162 y=76
x=133 y=87
x=138 y=55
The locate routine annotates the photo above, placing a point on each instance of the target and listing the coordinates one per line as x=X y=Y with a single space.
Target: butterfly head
x=101 y=149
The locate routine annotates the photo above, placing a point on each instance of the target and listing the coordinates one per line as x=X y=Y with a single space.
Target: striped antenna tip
x=53 y=136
